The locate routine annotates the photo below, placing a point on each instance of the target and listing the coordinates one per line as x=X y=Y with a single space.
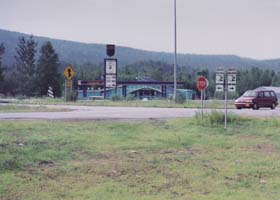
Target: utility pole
x=175 y=50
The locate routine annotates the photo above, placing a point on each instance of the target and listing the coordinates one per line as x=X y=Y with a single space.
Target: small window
x=272 y=94
x=260 y=94
x=267 y=94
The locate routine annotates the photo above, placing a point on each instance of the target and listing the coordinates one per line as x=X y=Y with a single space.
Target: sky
x=247 y=28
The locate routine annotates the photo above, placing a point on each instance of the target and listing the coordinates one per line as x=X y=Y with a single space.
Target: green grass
x=215 y=104
x=176 y=159
x=22 y=108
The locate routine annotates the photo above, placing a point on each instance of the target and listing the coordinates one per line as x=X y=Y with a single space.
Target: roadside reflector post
x=50 y=92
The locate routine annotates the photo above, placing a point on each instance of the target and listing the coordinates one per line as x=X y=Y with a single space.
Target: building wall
x=134 y=90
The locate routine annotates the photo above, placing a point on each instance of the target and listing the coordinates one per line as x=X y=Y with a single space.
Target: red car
x=256 y=99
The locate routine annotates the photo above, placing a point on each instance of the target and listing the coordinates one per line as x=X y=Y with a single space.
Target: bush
x=72 y=96
x=117 y=98
x=21 y=97
x=130 y=98
x=180 y=98
x=217 y=118
x=221 y=95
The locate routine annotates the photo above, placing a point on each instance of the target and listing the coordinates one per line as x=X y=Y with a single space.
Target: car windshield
x=250 y=93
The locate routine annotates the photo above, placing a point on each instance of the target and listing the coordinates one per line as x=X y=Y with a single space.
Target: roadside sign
x=68 y=83
x=220 y=78
x=231 y=88
x=226 y=82
x=219 y=88
x=201 y=83
x=111 y=80
x=110 y=49
x=69 y=72
x=231 y=79
x=111 y=66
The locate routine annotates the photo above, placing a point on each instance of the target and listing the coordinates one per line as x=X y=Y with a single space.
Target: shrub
x=217 y=118
x=180 y=98
x=130 y=98
x=72 y=96
x=117 y=98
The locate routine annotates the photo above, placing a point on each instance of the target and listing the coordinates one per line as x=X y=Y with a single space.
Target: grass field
x=136 y=103
x=150 y=160
x=21 y=108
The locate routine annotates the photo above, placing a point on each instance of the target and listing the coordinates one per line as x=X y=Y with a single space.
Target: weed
x=217 y=118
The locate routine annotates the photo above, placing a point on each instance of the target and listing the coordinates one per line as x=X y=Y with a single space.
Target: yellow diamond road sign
x=69 y=72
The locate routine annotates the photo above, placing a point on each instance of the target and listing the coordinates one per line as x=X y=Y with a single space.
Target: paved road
x=90 y=112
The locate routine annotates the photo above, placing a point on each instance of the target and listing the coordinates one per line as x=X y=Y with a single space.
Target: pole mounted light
x=175 y=50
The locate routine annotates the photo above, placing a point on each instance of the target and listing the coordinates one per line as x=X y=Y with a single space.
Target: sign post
x=110 y=71
x=69 y=73
x=226 y=82
x=202 y=84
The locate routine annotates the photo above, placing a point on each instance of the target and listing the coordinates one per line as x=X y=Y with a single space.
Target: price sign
x=111 y=81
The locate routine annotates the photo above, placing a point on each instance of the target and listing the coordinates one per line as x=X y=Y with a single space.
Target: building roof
x=148 y=83
x=145 y=87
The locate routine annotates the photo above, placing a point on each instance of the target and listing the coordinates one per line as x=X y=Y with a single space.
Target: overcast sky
x=248 y=28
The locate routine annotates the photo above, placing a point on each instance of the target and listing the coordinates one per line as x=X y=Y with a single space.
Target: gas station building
x=94 y=89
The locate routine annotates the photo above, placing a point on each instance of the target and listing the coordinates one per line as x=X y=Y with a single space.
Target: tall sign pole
x=226 y=82
x=175 y=49
x=69 y=73
x=202 y=84
x=110 y=69
x=226 y=100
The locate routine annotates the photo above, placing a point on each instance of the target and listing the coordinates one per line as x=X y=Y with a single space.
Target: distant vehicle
x=256 y=99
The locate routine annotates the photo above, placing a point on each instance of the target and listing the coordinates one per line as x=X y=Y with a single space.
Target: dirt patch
x=261 y=145
x=248 y=137
x=266 y=148
x=46 y=164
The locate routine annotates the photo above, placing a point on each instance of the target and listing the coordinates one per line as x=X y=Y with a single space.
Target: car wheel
x=273 y=106
x=238 y=108
x=255 y=106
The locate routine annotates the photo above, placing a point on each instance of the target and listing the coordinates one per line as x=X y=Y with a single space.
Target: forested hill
x=79 y=53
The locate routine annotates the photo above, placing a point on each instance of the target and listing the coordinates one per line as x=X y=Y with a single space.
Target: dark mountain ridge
x=80 y=53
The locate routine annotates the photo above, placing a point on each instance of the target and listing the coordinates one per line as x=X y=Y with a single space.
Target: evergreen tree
x=2 y=51
x=48 y=75
x=266 y=78
x=88 y=71
x=26 y=68
x=276 y=80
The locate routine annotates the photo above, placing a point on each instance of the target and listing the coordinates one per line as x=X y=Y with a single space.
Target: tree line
x=32 y=73
x=247 y=79
x=29 y=77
